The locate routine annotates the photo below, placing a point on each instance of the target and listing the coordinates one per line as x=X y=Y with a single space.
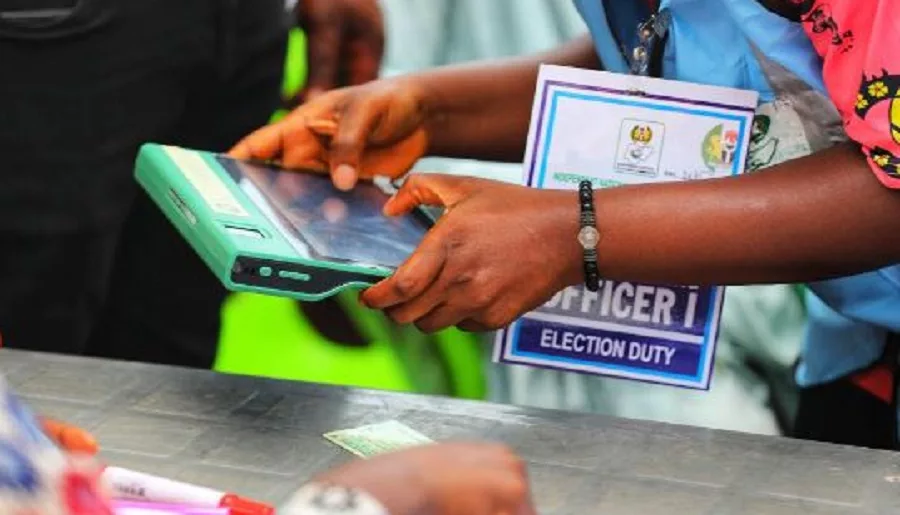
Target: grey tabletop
x=262 y=438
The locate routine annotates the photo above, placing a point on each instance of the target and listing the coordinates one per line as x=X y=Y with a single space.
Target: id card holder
x=613 y=130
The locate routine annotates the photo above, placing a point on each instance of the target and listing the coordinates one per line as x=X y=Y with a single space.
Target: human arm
x=478 y=111
x=503 y=250
x=345 y=43
x=482 y=110
x=439 y=479
x=814 y=218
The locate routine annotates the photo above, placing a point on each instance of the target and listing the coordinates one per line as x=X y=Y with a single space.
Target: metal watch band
x=588 y=236
x=325 y=499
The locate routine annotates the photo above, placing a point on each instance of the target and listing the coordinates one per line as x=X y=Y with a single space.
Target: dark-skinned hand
x=500 y=250
x=353 y=133
x=442 y=479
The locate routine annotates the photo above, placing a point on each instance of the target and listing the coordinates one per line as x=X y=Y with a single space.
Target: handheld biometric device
x=267 y=230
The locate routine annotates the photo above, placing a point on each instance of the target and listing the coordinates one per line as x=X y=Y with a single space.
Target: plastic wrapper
x=36 y=477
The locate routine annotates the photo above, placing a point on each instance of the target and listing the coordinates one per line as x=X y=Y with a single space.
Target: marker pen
x=137 y=486
x=144 y=508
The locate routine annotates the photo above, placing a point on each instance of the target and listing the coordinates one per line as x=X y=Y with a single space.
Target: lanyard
x=646 y=56
x=639 y=28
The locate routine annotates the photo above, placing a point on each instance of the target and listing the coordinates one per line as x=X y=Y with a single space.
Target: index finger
x=412 y=278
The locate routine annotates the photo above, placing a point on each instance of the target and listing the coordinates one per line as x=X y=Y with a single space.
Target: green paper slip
x=375 y=439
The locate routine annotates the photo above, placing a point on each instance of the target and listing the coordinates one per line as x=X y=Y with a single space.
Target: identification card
x=375 y=439
x=617 y=130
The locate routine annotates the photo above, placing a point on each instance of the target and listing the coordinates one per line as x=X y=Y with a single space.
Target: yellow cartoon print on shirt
x=872 y=92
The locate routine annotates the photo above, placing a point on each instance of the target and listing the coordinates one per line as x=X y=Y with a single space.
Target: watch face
x=588 y=237
x=319 y=499
x=335 y=500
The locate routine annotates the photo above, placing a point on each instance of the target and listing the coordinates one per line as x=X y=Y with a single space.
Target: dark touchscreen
x=331 y=224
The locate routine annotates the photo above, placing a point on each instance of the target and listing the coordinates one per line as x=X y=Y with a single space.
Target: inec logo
x=640 y=147
x=719 y=147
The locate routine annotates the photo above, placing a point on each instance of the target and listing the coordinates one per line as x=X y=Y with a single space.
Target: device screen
x=328 y=223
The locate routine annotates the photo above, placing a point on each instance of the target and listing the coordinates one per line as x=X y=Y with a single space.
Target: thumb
x=425 y=189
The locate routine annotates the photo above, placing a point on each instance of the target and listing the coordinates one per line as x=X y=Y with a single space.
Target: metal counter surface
x=262 y=438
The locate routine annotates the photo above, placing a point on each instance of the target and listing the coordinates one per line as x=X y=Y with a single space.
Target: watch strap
x=588 y=222
x=326 y=499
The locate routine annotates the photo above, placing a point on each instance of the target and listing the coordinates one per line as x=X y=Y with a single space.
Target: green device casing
x=212 y=213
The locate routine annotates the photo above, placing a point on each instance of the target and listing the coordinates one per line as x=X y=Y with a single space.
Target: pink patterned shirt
x=859 y=42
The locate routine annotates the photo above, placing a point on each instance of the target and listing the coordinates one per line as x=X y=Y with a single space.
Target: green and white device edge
x=241 y=238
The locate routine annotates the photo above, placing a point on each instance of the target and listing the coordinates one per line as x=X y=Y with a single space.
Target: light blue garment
x=835 y=345
x=851 y=319
x=718 y=55
x=426 y=33
x=727 y=43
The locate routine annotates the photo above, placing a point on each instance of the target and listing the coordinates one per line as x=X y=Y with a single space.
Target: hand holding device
x=461 y=273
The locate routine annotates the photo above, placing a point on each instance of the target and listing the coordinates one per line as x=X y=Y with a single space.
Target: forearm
x=482 y=111
x=822 y=216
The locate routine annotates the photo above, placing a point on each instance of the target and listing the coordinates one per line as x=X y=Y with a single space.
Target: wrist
x=417 y=103
x=406 y=497
x=323 y=498
x=434 y=109
x=565 y=231
x=569 y=226
x=588 y=235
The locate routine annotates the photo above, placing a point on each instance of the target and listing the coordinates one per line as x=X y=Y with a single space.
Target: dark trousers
x=88 y=265
x=841 y=413
x=845 y=412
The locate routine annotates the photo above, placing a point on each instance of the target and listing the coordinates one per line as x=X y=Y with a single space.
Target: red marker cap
x=241 y=506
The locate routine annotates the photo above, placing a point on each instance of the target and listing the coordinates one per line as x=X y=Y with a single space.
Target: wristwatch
x=325 y=499
x=589 y=236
